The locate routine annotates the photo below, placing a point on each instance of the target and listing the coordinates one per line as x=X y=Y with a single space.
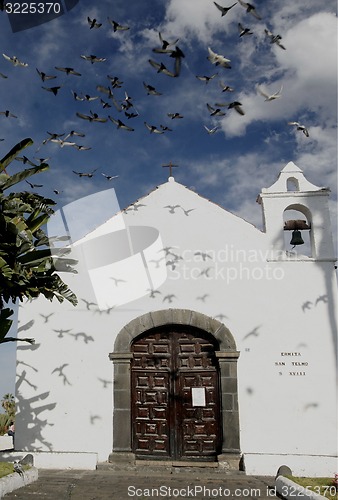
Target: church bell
x=296 y=238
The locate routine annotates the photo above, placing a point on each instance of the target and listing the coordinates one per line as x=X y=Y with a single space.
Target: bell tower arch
x=293 y=192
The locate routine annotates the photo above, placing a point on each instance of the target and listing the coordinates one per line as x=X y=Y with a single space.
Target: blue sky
x=230 y=166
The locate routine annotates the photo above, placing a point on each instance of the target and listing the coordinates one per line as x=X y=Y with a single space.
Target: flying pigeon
x=165 y=128
x=110 y=177
x=93 y=23
x=25 y=160
x=105 y=90
x=161 y=68
x=205 y=78
x=211 y=130
x=224 y=10
x=226 y=88
x=270 y=97
x=174 y=116
x=274 y=38
x=81 y=148
x=44 y=76
x=120 y=124
x=68 y=71
x=116 y=26
x=130 y=115
x=153 y=129
x=237 y=106
x=15 y=61
x=8 y=114
x=85 y=174
x=94 y=117
x=73 y=132
x=63 y=142
x=218 y=59
x=165 y=44
x=300 y=127
x=150 y=89
x=115 y=82
x=244 y=31
x=251 y=9
x=54 y=90
x=215 y=111
x=93 y=59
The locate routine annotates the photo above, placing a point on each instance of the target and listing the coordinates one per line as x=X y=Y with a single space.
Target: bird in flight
x=93 y=117
x=73 y=132
x=44 y=76
x=215 y=111
x=153 y=129
x=85 y=174
x=251 y=9
x=110 y=177
x=120 y=124
x=236 y=105
x=218 y=59
x=54 y=90
x=211 y=130
x=68 y=71
x=116 y=26
x=15 y=61
x=300 y=127
x=161 y=68
x=63 y=143
x=150 y=89
x=93 y=23
x=274 y=38
x=205 y=78
x=7 y=114
x=224 y=10
x=175 y=116
x=164 y=43
x=225 y=88
x=270 y=97
x=244 y=31
x=93 y=58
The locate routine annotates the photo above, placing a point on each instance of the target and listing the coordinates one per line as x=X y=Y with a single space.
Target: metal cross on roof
x=170 y=166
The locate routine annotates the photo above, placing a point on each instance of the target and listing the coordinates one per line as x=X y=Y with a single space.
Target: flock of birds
x=126 y=108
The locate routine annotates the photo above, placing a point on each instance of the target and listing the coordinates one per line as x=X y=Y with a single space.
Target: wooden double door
x=175 y=396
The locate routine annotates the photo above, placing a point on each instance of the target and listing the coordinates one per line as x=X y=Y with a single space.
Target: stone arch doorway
x=223 y=364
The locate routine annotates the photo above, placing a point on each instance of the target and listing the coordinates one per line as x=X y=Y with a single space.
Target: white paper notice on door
x=198 y=396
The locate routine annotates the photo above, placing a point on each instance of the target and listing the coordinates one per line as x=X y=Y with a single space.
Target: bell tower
x=293 y=192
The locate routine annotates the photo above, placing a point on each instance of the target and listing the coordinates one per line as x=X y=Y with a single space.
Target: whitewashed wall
x=271 y=307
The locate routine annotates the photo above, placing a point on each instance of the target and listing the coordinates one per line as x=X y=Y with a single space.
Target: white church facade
x=197 y=337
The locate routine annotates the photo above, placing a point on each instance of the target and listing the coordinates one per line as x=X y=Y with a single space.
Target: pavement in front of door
x=123 y=482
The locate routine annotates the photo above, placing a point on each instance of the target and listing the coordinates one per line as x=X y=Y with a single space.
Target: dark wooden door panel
x=166 y=366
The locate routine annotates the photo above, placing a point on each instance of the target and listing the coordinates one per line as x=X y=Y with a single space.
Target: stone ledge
x=6 y=443
x=14 y=481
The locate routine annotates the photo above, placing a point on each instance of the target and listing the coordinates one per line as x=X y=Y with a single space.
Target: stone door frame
x=227 y=357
